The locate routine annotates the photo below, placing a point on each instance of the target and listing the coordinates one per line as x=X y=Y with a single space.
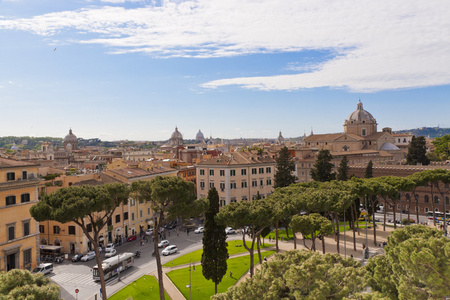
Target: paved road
x=70 y=276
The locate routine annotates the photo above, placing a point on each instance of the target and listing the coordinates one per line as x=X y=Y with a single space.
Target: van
x=44 y=268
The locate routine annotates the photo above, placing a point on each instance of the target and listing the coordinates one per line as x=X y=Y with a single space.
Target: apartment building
x=237 y=176
x=19 y=235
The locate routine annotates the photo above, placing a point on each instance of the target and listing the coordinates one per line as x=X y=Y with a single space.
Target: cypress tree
x=323 y=167
x=285 y=166
x=417 y=152
x=343 y=169
x=215 y=252
x=369 y=170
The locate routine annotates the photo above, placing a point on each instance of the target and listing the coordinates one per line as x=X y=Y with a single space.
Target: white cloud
x=378 y=45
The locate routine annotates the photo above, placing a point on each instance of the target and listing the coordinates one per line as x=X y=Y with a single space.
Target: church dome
x=360 y=114
x=176 y=139
x=389 y=147
x=199 y=136
x=70 y=138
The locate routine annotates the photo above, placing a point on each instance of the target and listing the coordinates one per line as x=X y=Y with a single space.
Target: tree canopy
x=343 y=169
x=21 y=284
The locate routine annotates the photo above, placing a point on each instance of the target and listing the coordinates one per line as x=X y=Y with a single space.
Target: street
x=70 y=276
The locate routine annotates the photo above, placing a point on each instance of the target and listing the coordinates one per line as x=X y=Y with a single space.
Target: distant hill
x=431 y=132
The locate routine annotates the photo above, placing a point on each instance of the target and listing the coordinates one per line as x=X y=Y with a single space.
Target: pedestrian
x=351 y=255
x=364 y=246
x=281 y=238
x=231 y=274
x=169 y=233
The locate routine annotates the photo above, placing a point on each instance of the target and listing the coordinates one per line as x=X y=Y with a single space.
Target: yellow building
x=19 y=235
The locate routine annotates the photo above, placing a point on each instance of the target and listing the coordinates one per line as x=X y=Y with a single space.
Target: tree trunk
x=323 y=244
x=94 y=242
x=276 y=237
x=337 y=232
x=373 y=222
x=356 y=218
x=384 y=221
x=158 y=259
x=287 y=230
x=250 y=250
x=258 y=240
x=417 y=206
x=215 y=288
x=295 y=240
x=313 y=240
x=393 y=214
x=353 y=226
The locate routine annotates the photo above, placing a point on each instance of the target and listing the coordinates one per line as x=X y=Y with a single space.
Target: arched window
x=408 y=197
x=427 y=199
x=436 y=199
x=363 y=132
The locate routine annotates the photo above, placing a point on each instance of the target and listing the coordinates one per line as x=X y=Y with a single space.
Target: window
x=244 y=198
x=10 y=176
x=27 y=258
x=243 y=171
x=222 y=172
x=26 y=228
x=211 y=184
x=233 y=185
x=24 y=175
x=89 y=227
x=56 y=229
x=109 y=222
x=426 y=209
x=261 y=182
x=202 y=172
x=11 y=232
x=222 y=186
x=10 y=200
x=202 y=185
x=125 y=216
x=132 y=202
x=25 y=198
x=140 y=213
x=268 y=170
x=253 y=170
x=117 y=218
x=222 y=202
x=233 y=200
x=446 y=201
x=41 y=229
x=232 y=172
x=436 y=200
x=72 y=230
x=261 y=170
x=254 y=183
x=363 y=133
x=132 y=216
x=243 y=184
x=269 y=181
x=399 y=207
x=148 y=210
x=427 y=199
x=211 y=172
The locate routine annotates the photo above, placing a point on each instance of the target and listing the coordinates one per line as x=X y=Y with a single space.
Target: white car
x=88 y=256
x=199 y=230
x=170 y=250
x=163 y=243
x=111 y=252
x=109 y=247
x=229 y=230
x=149 y=231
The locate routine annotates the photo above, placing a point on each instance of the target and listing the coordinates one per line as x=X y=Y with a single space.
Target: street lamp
x=190 y=278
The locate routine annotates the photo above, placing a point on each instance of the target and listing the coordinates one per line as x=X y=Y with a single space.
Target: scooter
x=137 y=254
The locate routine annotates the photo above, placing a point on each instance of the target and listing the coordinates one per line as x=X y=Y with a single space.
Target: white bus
x=113 y=265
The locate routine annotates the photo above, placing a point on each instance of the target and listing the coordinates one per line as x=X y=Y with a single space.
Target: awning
x=50 y=248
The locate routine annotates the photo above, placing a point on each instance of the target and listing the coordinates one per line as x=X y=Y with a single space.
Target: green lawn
x=234 y=247
x=144 y=288
x=204 y=289
x=281 y=233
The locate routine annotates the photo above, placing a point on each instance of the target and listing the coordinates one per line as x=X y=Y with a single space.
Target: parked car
x=229 y=230
x=77 y=257
x=88 y=256
x=163 y=243
x=109 y=247
x=111 y=252
x=199 y=230
x=149 y=231
x=44 y=268
x=131 y=238
x=170 y=250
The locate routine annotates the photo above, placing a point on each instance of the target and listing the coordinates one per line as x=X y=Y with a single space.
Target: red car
x=131 y=238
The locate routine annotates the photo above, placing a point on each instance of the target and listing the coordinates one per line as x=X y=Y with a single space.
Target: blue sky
x=135 y=69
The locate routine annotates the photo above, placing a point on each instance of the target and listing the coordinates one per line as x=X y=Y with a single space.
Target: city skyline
x=134 y=69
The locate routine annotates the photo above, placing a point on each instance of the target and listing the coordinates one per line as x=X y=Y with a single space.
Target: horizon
x=136 y=69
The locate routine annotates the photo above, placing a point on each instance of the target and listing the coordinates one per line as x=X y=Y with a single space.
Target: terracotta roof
x=130 y=172
x=89 y=182
x=329 y=137
x=11 y=163
x=238 y=158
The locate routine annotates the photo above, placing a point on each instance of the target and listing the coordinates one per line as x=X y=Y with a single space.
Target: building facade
x=237 y=176
x=19 y=235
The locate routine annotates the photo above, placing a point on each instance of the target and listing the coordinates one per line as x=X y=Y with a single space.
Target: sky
x=136 y=69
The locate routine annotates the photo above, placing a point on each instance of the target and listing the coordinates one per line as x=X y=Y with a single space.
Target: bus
x=438 y=215
x=363 y=215
x=113 y=265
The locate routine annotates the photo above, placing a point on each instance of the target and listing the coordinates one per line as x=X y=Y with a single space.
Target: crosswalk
x=79 y=279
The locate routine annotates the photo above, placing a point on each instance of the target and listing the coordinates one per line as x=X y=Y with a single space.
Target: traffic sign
x=76 y=291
